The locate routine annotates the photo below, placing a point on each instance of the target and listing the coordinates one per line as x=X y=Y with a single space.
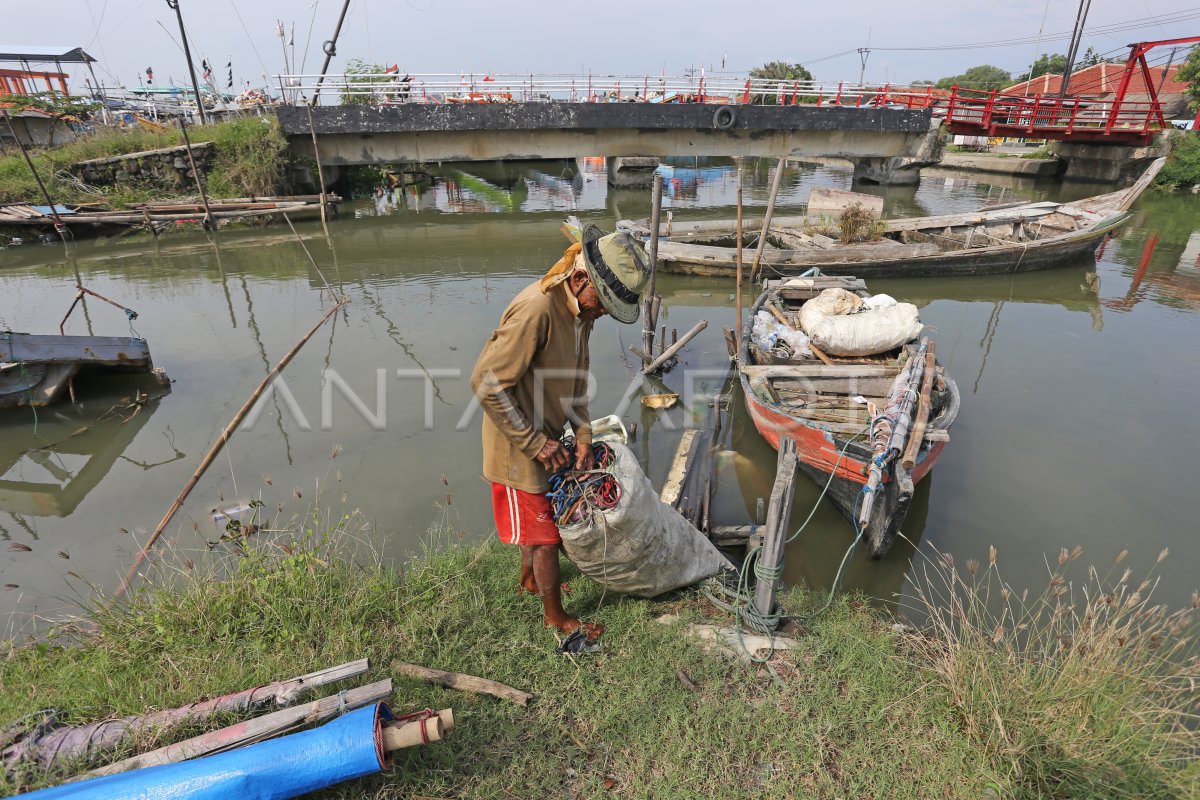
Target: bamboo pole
x=762 y=237
x=59 y=226
x=924 y=408
x=209 y=222
x=330 y=48
x=312 y=131
x=649 y=307
x=675 y=348
x=412 y=734
x=252 y=730
x=738 y=236
x=217 y=446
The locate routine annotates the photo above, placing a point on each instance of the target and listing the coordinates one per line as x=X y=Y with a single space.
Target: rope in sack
x=574 y=494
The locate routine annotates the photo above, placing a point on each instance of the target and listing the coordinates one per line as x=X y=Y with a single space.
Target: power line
x=1181 y=16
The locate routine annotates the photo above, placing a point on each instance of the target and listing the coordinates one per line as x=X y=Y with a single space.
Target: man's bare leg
x=527 y=581
x=546 y=574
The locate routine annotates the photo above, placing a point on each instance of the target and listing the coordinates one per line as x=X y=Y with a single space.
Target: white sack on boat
x=642 y=546
x=831 y=321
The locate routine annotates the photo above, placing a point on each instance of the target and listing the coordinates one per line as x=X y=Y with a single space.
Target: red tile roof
x=1099 y=80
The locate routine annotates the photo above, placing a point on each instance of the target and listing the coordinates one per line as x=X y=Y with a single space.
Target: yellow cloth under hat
x=562 y=268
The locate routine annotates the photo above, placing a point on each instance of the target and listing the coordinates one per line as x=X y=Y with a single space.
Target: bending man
x=532 y=378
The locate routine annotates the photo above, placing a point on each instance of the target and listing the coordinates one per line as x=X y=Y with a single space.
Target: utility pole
x=1167 y=69
x=863 y=54
x=330 y=48
x=187 y=52
x=1073 y=50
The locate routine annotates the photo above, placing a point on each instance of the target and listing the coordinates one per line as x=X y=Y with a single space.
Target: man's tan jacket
x=531 y=378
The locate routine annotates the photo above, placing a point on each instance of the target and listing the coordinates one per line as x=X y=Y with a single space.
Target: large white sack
x=831 y=324
x=643 y=547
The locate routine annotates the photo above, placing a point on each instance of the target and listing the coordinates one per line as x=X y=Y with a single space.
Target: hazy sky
x=616 y=36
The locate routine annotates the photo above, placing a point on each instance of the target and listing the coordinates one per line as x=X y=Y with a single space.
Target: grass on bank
x=1183 y=166
x=860 y=709
x=250 y=159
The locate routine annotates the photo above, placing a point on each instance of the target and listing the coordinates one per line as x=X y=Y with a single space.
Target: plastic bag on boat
x=879 y=301
x=641 y=547
x=768 y=333
x=842 y=324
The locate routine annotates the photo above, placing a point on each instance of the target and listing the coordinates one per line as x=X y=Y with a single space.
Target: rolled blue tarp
x=347 y=748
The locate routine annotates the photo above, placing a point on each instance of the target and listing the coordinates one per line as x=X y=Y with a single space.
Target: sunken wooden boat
x=823 y=407
x=162 y=213
x=1019 y=237
x=36 y=370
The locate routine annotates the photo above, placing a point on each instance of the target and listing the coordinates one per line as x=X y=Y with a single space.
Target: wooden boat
x=817 y=405
x=1017 y=237
x=79 y=218
x=36 y=369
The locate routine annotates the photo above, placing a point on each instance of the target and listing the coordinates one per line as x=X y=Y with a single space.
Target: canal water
x=1079 y=384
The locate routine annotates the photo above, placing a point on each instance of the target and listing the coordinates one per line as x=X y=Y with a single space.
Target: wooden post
x=779 y=512
x=187 y=53
x=762 y=238
x=649 y=309
x=320 y=173
x=675 y=348
x=209 y=222
x=738 y=237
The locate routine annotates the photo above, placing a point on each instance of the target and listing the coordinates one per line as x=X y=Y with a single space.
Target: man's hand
x=583 y=456
x=554 y=456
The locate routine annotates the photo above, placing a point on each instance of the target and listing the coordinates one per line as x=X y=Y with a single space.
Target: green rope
x=742 y=606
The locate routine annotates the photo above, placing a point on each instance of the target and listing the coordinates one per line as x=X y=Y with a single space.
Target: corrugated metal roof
x=43 y=53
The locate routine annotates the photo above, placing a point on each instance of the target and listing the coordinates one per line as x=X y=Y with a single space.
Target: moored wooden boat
x=36 y=369
x=80 y=218
x=820 y=406
x=1014 y=238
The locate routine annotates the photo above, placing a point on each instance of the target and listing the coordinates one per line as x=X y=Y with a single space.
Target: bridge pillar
x=631 y=171
x=904 y=169
x=1106 y=163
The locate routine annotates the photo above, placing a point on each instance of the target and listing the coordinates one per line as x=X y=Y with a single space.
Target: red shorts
x=523 y=517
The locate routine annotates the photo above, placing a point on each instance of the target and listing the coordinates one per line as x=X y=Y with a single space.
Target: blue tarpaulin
x=347 y=748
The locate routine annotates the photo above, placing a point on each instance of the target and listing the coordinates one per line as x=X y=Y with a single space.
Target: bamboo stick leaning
x=211 y=455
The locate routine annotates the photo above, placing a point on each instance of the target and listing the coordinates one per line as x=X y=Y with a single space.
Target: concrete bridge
x=886 y=145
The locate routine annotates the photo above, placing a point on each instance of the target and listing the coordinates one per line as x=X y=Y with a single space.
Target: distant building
x=1100 y=82
x=32 y=126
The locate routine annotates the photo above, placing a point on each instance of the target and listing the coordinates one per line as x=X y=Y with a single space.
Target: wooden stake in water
x=209 y=222
x=762 y=237
x=649 y=306
x=320 y=172
x=738 y=236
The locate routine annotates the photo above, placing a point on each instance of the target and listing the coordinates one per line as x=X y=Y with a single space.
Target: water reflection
x=47 y=469
x=430 y=265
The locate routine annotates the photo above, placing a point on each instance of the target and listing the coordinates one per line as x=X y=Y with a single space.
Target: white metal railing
x=386 y=88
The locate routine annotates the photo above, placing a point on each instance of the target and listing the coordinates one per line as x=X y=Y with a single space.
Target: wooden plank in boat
x=820 y=371
x=818 y=282
x=851 y=253
x=873 y=387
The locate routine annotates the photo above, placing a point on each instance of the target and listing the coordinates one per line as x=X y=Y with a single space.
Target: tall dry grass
x=1084 y=688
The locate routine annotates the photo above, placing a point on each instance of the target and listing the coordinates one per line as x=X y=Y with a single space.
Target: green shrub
x=1183 y=167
